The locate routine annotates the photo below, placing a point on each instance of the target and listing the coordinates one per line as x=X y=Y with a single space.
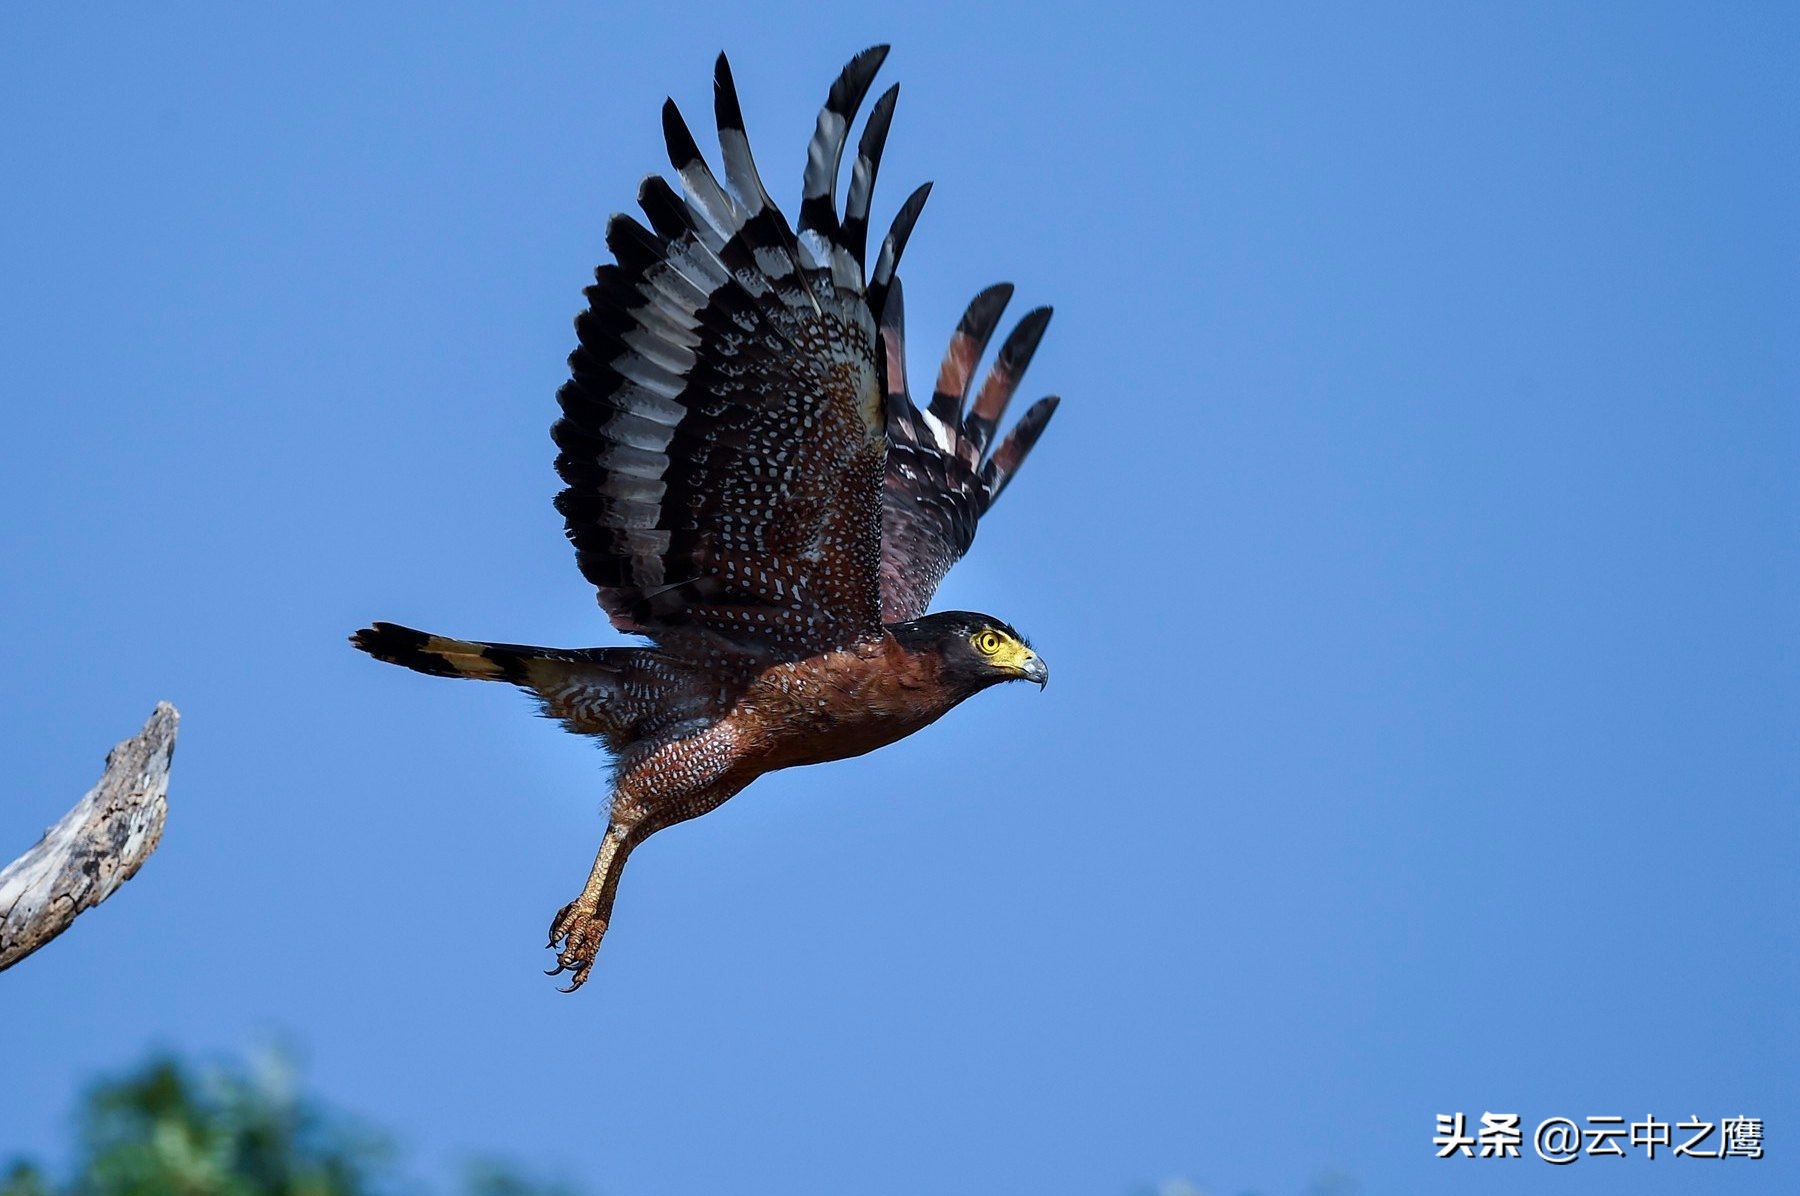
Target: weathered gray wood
x=98 y=845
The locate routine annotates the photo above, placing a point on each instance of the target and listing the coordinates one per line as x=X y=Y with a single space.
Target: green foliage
x=169 y=1129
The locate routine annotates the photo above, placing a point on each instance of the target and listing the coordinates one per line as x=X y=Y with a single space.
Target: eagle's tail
x=440 y=656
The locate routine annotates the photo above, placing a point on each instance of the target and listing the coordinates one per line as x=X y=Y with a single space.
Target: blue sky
x=1414 y=551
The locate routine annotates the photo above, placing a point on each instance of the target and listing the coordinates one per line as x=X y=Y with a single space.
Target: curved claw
x=579 y=975
x=577 y=932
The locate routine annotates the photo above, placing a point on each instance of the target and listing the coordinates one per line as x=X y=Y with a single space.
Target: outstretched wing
x=722 y=437
x=940 y=477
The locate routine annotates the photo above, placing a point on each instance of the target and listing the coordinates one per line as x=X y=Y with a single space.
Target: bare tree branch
x=98 y=845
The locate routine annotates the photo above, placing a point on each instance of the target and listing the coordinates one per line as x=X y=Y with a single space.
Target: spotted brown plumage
x=750 y=485
x=940 y=479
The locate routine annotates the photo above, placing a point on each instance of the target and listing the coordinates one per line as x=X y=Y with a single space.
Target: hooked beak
x=1034 y=669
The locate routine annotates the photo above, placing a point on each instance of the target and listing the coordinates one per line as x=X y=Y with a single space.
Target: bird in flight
x=750 y=486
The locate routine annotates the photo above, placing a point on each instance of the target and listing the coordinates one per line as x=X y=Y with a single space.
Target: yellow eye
x=988 y=642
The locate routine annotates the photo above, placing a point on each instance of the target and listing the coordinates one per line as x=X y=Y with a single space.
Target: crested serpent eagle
x=751 y=487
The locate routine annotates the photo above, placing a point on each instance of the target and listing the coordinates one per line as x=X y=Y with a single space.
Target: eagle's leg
x=580 y=925
x=643 y=803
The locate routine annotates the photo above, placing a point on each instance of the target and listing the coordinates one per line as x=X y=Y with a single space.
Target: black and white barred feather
x=733 y=461
x=940 y=477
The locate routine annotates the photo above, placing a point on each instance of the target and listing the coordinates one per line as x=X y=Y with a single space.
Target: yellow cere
x=1002 y=649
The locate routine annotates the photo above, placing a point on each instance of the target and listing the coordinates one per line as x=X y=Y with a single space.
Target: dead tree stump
x=98 y=845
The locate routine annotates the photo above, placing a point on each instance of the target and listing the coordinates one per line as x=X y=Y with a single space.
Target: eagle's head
x=974 y=650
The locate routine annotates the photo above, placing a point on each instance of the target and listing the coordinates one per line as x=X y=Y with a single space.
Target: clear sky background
x=1414 y=551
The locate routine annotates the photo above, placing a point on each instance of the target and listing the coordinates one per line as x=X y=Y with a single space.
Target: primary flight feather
x=750 y=485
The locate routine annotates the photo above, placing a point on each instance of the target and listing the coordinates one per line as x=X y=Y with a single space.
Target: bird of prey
x=751 y=487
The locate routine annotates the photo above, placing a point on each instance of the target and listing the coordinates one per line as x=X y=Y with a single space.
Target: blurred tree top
x=170 y=1129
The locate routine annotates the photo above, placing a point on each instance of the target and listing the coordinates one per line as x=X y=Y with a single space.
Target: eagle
x=750 y=487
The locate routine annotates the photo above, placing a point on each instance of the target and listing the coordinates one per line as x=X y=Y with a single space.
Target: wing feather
x=938 y=486
x=820 y=234
x=967 y=344
x=723 y=436
x=893 y=245
x=740 y=450
x=862 y=175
